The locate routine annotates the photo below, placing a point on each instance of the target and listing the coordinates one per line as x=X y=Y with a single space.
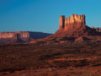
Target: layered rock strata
x=11 y=37
x=74 y=25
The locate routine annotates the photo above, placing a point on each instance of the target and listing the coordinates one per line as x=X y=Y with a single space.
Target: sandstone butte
x=75 y=26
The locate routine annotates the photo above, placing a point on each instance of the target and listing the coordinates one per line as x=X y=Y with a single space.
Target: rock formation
x=74 y=29
x=71 y=28
x=20 y=37
x=13 y=37
x=73 y=25
x=72 y=20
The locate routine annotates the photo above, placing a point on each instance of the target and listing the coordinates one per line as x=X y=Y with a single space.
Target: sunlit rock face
x=72 y=20
x=11 y=37
x=73 y=25
x=74 y=29
x=14 y=35
x=78 y=19
x=21 y=37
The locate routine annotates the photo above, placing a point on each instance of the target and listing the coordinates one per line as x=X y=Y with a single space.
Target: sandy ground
x=69 y=71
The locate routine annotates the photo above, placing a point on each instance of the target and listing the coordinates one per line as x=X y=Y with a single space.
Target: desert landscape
x=74 y=50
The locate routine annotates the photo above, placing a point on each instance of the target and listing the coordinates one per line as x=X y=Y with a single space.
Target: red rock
x=13 y=37
x=73 y=25
x=81 y=39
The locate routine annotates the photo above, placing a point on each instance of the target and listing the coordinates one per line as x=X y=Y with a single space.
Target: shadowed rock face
x=98 y=29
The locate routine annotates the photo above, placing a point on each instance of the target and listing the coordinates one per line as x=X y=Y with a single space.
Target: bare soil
x=73 y=59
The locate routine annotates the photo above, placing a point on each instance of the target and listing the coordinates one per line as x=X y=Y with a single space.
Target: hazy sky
x=43 y=15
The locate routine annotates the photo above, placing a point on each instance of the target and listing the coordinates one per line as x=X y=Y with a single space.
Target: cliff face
x=20 y=37
x=7 y=35
x=72 y=20
x=74 y=28
x=76 y=22
x=11 y=37
x=14 y=35
x=74 y=25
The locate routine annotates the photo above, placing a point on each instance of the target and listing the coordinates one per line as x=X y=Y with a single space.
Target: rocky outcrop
x=74 y=29
x=72 y=20
x=81 y=39
x=73 y=25
x=13 y=37
x=20 y=37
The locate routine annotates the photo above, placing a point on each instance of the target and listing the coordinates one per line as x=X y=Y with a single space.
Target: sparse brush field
x=75 y=59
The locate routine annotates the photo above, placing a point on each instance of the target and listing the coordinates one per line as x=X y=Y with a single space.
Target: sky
x=43 y=15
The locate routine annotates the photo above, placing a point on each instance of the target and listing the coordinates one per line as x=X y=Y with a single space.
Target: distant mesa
x=13 y=37
x=20 y=37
